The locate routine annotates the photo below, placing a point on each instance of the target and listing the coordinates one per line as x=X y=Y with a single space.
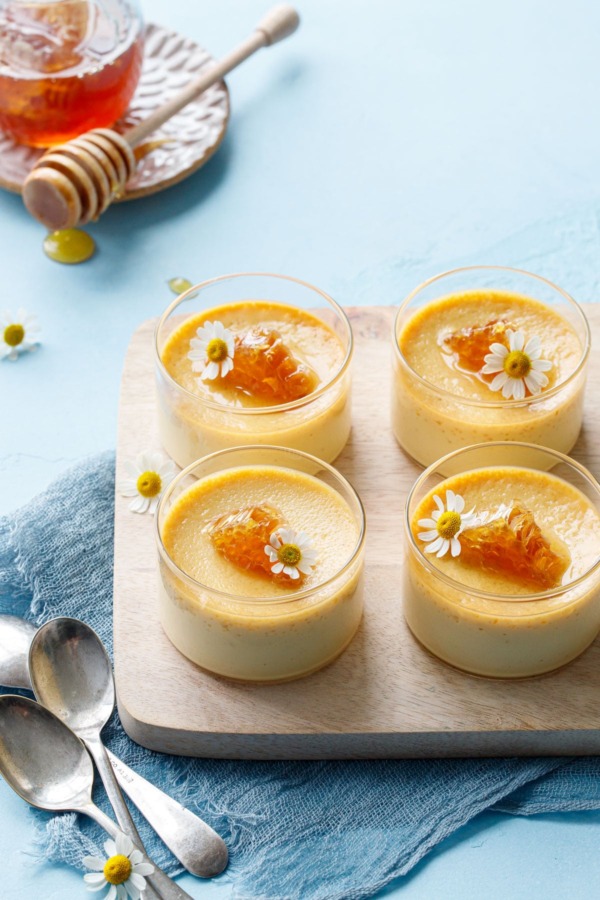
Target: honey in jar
x=66 y=66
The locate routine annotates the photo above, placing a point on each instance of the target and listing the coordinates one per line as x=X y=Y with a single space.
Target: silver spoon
x=15 y=639
x=45 y=763
x=71 y=676
x=197 y=846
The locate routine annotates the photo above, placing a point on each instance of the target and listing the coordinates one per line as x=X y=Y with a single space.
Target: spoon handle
x=280 y=22
x=164 y=886
x=192 y=841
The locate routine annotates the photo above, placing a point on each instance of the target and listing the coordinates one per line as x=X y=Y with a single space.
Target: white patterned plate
x=170 y=62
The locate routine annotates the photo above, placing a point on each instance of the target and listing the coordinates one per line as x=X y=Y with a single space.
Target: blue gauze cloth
x=295 y=830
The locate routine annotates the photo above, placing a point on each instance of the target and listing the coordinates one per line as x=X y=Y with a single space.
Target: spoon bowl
x=48 y=766
x=15 y=639
x=71 y=674
x=41 y=759
x=195 y=844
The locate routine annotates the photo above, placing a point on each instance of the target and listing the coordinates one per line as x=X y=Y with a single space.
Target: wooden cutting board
x=385 y=696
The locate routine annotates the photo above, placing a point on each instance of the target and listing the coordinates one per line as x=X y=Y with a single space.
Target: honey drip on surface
x=69 y=245
x=515 y=545
x=178 y=284
x=242 y=535
x=470 y=345
x=263 y=366
x=142 y=150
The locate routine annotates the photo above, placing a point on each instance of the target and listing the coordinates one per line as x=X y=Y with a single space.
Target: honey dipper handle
x=281 y=21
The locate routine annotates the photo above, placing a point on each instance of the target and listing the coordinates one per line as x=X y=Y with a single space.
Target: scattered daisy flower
x=291 y=552
x=18 y=334
x=123 y=871
x=149 y=475
x=517 y=367
x=446 y=524
x=212 y=350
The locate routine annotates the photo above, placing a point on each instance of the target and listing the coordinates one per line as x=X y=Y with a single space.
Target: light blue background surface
x=383 y=143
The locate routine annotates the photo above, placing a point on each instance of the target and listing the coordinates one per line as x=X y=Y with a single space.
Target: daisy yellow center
x=149 y=484
x=216 y=350
x=289 y=554
x=517 y=364
x=448 y=525
x=13 y=335
x=117 y=869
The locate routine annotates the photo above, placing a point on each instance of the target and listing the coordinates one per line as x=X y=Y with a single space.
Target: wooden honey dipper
x=74 y=182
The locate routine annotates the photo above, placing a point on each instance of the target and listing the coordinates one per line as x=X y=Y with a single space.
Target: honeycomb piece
x=242 y=535
x=264 y=367
x=514 y=545
x=471 y=345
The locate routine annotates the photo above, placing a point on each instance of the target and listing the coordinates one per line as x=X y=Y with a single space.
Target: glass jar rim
x=500 y=403
x=255 y=410
x=240 y=598
x=476 y=592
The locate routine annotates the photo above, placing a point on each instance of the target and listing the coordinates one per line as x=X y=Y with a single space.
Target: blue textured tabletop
x=383 y=143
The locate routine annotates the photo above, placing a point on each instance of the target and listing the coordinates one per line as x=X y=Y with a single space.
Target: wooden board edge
x=425 y=745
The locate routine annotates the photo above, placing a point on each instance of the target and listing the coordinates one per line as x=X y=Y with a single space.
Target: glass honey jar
x=66 y=66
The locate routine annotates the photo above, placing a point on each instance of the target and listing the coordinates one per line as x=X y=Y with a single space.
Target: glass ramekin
x=500 y=635
x=429 y=422
x=261 y=639
x=191 y=426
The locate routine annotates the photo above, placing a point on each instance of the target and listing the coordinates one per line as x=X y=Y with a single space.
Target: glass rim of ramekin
x=499 y=403
x=255 y=410
x=240 y=598
x=487 y=595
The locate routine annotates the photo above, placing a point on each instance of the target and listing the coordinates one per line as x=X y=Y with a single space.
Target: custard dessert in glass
x=485 y=354
x=261 y=559
x=253 y=359
x=503 y=562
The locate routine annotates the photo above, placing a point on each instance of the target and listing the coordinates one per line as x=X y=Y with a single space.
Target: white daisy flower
x=291 y=552
x=212 y=350
x=123 y=871
x=149 y=475
x=518 y=366
x=446 y=524
x=18 y=334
